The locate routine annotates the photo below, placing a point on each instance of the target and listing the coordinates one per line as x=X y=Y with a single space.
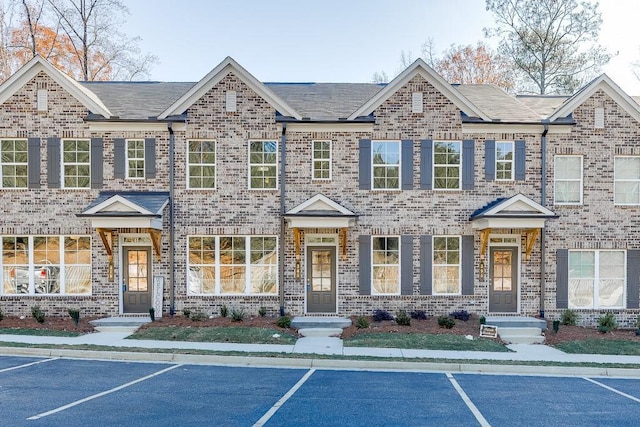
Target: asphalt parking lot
x=57 y=392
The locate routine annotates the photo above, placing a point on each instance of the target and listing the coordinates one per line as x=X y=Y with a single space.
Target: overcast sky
x=333 y=40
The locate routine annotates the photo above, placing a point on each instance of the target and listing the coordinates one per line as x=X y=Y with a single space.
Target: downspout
x=543 y=200
x=283 y=164
x=172 y=308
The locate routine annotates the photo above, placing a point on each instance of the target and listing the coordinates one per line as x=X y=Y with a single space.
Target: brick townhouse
x=316 y=198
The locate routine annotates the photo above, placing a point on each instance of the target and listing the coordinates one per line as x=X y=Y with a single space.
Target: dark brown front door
x=503 y=276
x=321 y=280
x=136 y=292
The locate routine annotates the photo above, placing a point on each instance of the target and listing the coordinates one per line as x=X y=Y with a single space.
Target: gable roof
x=229 y=65
x=605 y=84
x=518 y=211
x=39 y=64
x=127 y=203
x=419 y=67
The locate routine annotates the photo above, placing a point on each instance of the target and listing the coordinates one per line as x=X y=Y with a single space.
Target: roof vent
x=230 y=101
x=598 y=120
x=42 y=100
x=416 y=102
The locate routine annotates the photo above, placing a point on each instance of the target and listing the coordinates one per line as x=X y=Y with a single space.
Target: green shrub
x=380 y=315
x=262 y=311
x=1 y=315
x=556 y=326
x=37 y=313
x=283 y=322
x=418 y=315
x=403 y=319
x=224 y=311
x=483 y=320
x=75 y=315
x=198 y=317
x=446 y=322
x=237 y=315
x=362 y=322
x=607 y=322
x=569 y=317
x=186 y=312
x=637 y=320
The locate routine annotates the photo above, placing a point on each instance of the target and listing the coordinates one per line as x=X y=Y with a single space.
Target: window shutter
x=426 y=265
x=468 y=262
x=96 y=162
x=119 y=158
x=364 y=248
x=562 y=278
x=426 y=162
x=520 y=161
x=407 y=164
x=490 y=160
x=53 y=162
x=633 y=276
x=406 y=265
x=150 y=158
x=365 y=164
x=468 y=164
x=33 y=165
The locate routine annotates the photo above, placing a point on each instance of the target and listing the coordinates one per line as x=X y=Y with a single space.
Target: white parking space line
x=283 y=399
x=28 y=364
x=104 y=393
x=474 y=410
x=635 y=399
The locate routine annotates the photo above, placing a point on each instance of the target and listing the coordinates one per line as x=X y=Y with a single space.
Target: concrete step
x=120 y=323
x=311 y=322
x=516 y=322
x=320 y=332
x=521 y=335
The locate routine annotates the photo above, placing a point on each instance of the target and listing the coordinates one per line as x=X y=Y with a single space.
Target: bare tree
x=552 y=43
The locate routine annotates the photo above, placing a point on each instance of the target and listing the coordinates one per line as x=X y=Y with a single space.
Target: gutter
x=543 y=198
x=283 y=167
x=172 y=308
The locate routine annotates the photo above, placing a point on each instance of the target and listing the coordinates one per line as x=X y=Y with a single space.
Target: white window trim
x=433 y=167
x=14 y=164
x=433 y=265
x=623 y=180
x=596 y=278
x=555 y=180
x=373 y=166
x=512 y=161
x=329 y=160
x=373 y=265
x=249 y=164
x=63 y=163
x=215 y=165
x=127 y=158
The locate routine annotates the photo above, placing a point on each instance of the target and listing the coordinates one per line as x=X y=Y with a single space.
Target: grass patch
x=424 y=341
x=39 y=332
x=234 y=334
x=592 y=346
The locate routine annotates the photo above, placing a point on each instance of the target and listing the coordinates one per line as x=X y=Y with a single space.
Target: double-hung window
x=386 y=165
x=627 y=180
x=13 y=160
x=386 y=265
x=447 y=161
x=321 y=160
x=76 y=163
x=263 y=165
x=568 y=180
x=201 y=168
x=135 y=158
x=597 y=279
x=447 y=268
x=504 y=161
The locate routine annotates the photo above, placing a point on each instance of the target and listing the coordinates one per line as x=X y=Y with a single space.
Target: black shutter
x=119 y=158
x=490 y=160
x=407 y=164
x=33 y=165
x=406 y=265
x=633 y=276
x=426 y=265
x=364 y=248
x=53 y=162
x=520 y=161
x=562 y=278
x=365 y=164
x=96 y=162
x=468 y=262
x=468 y=164
x=150 y=158
x=426 y=164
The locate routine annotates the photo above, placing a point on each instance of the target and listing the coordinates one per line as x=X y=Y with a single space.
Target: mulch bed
x=50 y=322
x=428 y=326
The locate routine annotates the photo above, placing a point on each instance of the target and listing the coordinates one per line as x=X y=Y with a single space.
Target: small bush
x=380 y=315
x=569 y=317
x=556 y=326
x=403 y=319
x=197 y=317
x=152 y=314
x=74 y=313
x=262 y=311
x=224 y=311
x=461 y=315
x=1 y=315
x=283 y=322
x=186 y=313
x=607 y=322
x=418 y=315
x=37 y=313
x=637 y=320
x=362 y=322
x=483 y=320
x=446 y=322
x=237 y=315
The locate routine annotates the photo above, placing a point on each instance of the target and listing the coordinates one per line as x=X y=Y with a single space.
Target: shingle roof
x=543 y=105
x=152 y=201
x=498 y=104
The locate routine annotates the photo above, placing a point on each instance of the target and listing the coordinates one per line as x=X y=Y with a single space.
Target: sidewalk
x=325 y=346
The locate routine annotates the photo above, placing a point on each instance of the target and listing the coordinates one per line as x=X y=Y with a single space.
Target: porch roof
x=517 y=211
